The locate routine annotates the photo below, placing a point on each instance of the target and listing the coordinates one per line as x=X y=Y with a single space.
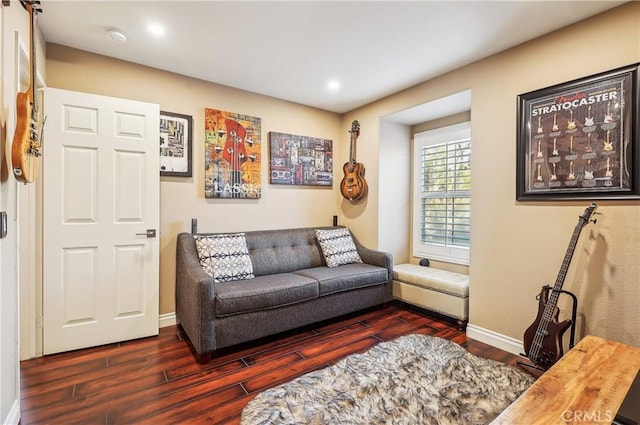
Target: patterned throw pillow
x=338 y=247
x=225 y=257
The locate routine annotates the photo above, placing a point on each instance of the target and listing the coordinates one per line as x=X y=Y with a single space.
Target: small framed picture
x=176 y=132
x=579 y=140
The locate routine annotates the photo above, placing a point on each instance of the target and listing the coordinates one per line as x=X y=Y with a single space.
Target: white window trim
x=457 y=255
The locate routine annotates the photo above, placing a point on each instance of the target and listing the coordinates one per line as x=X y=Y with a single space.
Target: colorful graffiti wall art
x=300 y=160
x=232 y=155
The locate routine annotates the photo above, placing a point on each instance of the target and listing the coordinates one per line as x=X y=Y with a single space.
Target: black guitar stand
x=574 y=313
x=537 y=370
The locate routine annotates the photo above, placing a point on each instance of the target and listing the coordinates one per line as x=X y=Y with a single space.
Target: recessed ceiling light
x=333 y=85
x=156 y=29
x=116 y=35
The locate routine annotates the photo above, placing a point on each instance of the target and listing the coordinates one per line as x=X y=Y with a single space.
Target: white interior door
x=101 y=185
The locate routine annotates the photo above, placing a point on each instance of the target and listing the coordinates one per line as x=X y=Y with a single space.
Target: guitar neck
x=32 y=54
x=352 y=156
x=352 y=149
x=567 y=258
x=355 y=132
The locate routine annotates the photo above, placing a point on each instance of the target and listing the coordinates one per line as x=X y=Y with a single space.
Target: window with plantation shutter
x=442 y=194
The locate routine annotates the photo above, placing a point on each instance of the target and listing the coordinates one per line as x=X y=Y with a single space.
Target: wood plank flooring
x=157 y=381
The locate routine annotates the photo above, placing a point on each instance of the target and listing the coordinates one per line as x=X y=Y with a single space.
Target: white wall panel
x=80 y=180
x=78 y=285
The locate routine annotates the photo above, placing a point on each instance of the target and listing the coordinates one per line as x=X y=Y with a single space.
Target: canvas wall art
x=232 y=155
x=300 y=160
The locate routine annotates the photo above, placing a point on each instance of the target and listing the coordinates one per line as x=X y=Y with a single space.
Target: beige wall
x=518 y=247
x=183 y=198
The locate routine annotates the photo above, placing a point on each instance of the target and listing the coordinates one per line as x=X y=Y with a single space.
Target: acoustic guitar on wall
x=353 y=185
x=27 y=139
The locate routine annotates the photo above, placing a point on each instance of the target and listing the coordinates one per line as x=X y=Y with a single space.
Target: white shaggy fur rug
x=415 y=379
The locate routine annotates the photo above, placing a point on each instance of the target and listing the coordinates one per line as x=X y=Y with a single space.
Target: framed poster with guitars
x=26 y=148
x=543 y=338
x=579 y=139
x=353 y=185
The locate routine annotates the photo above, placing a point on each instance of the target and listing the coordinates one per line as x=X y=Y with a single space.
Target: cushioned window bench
x=437 y=290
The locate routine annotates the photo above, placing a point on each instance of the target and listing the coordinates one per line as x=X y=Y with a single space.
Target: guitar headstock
x=31 y=5
x=588 y=213
x=355 y=128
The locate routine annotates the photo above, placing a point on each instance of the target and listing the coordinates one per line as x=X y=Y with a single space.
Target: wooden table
x=587 y=385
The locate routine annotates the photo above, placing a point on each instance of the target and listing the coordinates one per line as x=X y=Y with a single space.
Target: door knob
x=150 y=233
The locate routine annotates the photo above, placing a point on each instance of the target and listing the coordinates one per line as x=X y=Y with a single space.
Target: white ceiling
x=290 y=50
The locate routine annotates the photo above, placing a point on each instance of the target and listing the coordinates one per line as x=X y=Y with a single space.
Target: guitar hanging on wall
x=353 y=185
x=27 y=139
x=543 y=339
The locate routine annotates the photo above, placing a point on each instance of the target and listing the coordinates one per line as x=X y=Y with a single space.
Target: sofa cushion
x=262 y=293
x=345 y=277
x=444 y=281
x=338 y=247
x=283 y=250
x=224 y=256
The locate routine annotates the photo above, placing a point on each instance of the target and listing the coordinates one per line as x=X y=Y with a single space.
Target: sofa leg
x=204 y=357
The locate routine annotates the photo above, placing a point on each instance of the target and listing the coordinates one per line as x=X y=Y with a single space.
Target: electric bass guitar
x=543 y=339
x=353 y=185
x=27 y=139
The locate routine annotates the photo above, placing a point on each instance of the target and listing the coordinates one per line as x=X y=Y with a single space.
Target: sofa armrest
x=195 y=292
x=375 y=257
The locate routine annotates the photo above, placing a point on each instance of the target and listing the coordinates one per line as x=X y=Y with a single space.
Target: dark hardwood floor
x=157 y=381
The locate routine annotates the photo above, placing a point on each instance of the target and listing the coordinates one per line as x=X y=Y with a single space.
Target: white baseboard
x=167 y=319
x=13 y=418
x=495 y=339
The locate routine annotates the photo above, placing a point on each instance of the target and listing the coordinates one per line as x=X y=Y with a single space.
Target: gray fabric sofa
x=292 y=287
